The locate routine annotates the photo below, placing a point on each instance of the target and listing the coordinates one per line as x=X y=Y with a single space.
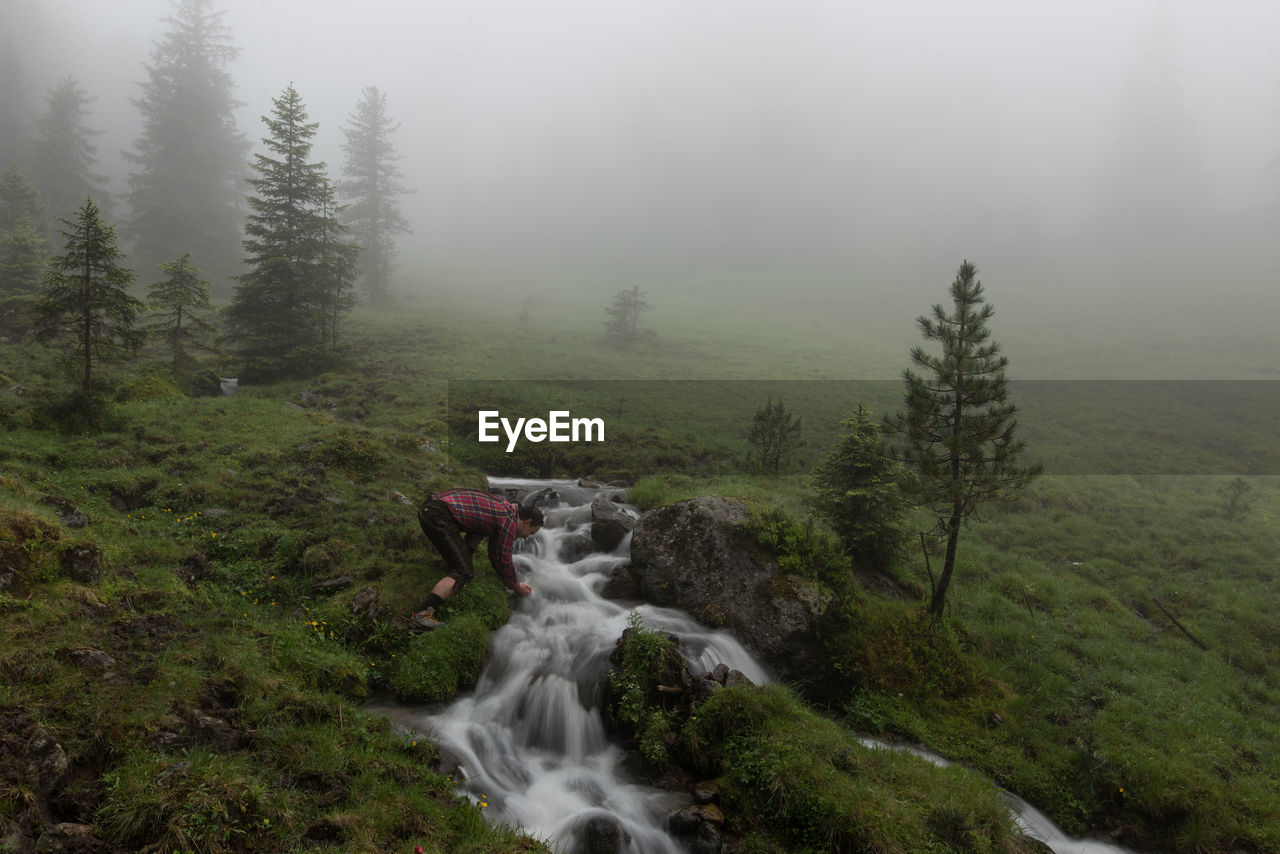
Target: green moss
x=438 y=664
x=785 y=769
x=646 y=660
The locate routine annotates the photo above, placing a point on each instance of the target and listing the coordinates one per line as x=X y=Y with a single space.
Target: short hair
x=533 y=514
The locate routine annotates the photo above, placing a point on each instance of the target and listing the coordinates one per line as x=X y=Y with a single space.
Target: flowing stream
x=530 y=742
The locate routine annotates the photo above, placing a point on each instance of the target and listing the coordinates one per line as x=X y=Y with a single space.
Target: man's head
x=528 y=521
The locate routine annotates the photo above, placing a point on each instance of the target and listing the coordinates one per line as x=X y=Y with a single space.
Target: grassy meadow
x=1110 y=651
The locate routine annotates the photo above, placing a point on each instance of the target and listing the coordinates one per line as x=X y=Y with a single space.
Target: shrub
x=644 y=660
x=856 y=490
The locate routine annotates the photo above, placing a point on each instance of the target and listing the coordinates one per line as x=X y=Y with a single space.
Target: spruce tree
x=857 y=490
x=774 y=436
x=15 y=108
x=86 y=296
x=283 y=315
x=181 y=307
x=958 y=425
x=624 y=314
x=62 y=165
x=18 y=199
x=336 y=271
x=185 y=195
x=24 y=251
x=372 y=189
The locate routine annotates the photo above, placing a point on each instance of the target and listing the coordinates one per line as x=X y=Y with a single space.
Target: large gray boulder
x=700 y=556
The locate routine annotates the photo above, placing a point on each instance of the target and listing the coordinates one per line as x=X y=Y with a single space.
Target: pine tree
x=283 y=314
x=23 y=246
x=372 y=189
x=15 y=109
x=186 y=193
x=774 y=434
x=857 y=490
x=336 y=271
x=62 y=165
x=24 y=251
x=182 y=308
x=958 y=425
x=86 y=297
x=18 y=199
x=624 y=313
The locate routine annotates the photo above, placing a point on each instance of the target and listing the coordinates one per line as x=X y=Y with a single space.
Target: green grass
x=222 y=523
x=812 y=783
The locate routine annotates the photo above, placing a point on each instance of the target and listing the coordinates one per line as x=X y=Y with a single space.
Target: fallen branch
x=1195 y=640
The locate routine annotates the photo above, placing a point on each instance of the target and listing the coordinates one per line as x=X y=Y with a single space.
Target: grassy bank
x=254 y=566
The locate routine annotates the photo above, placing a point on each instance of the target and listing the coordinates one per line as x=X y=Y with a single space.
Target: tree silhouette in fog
x=186 y=192
x=15 y=108
x=64 y=155
x=23 y=246
x=372 y=189
x=624 y=314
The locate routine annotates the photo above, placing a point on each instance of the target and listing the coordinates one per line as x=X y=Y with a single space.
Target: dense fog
x=1078 y=152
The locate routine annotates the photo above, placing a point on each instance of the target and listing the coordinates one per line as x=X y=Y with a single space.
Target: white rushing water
x=530 y=741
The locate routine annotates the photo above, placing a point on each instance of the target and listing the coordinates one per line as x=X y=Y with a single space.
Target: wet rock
x=700 y=827
x=214 y=730
x=327 y=586
x=365 y=603
x=69 y=837
x=45 y=762
x=700 y=555
x=13 y=839
x=621 y=585
x=706 y=792
x=600 y=834
x=543 y=499
x=90 y=658
x=82 y=563
x=610 y=523
x=68 y=513
x=575 y=547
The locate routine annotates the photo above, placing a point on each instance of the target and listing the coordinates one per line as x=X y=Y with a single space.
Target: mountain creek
x=530 y=744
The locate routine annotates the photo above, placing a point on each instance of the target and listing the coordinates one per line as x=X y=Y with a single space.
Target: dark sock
x=433 y=601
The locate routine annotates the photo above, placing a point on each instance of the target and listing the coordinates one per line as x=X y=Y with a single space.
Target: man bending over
x=455 y=521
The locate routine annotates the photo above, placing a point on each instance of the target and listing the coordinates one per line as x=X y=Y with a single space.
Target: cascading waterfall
x=530 y=742
x=530 y=739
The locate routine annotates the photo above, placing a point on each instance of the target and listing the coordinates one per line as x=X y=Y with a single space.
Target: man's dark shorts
x=444 y=532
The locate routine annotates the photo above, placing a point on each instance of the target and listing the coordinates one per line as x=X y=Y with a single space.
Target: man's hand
x=522 y=589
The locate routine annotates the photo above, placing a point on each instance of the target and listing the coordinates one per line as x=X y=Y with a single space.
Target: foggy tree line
x=276 y=236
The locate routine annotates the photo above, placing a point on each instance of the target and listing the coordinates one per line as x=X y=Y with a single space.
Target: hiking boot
x=425 y=619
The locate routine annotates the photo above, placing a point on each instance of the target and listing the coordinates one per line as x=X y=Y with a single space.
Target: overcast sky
x=651 y=140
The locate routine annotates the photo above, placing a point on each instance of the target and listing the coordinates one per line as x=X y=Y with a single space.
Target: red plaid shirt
x=492 y=516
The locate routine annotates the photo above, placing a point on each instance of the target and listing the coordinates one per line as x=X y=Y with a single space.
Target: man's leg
x=448 y=537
